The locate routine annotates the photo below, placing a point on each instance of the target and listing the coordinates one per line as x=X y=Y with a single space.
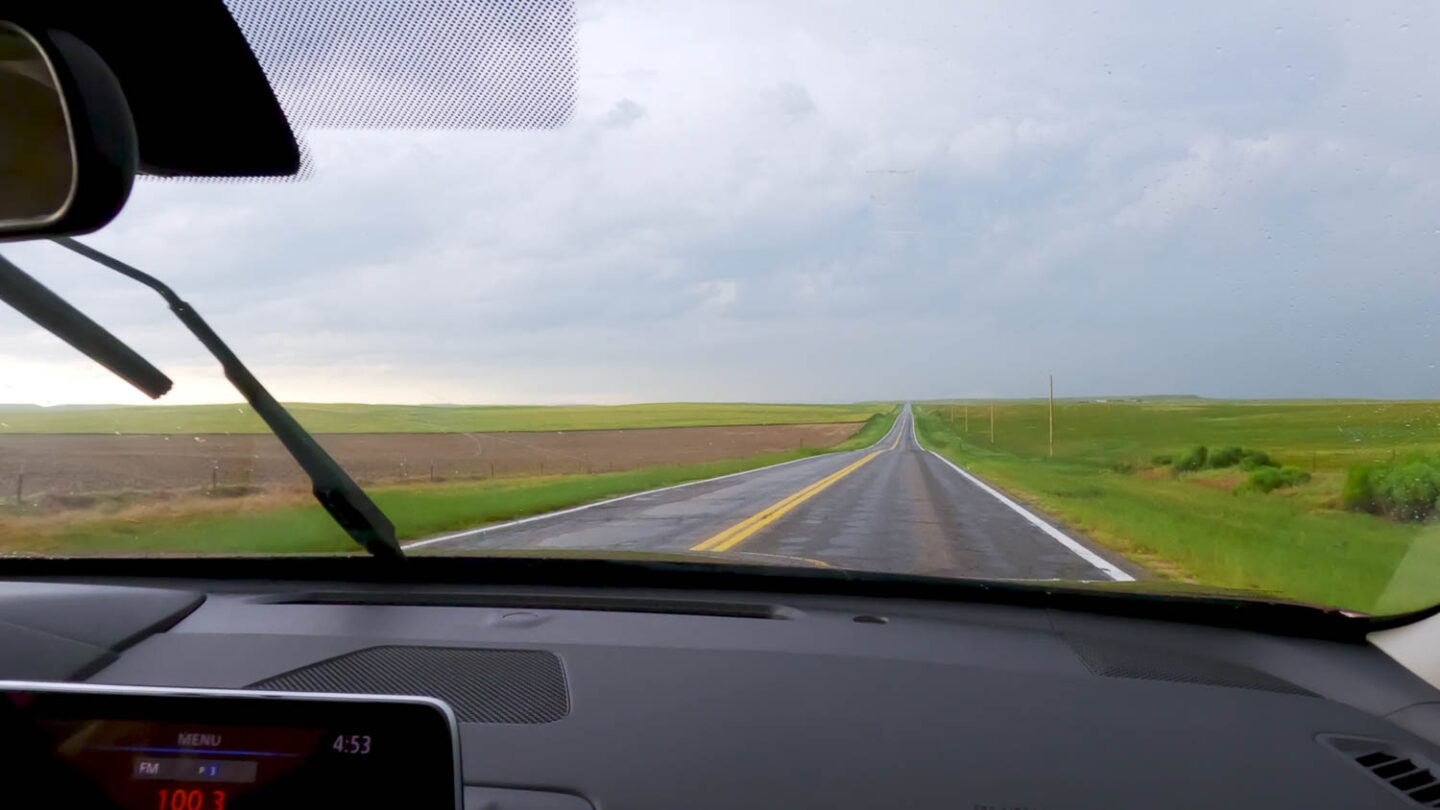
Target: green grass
x=354 y=418
x=872 y=431
x=1331 y=434
x=1292 y=543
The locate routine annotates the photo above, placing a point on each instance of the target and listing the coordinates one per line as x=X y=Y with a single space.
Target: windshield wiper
x=36 y=302
x=346 y=502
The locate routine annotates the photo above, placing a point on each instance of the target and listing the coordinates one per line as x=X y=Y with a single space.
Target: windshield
x=1108 y=293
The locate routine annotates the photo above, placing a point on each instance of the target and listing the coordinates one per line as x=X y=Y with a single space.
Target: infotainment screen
x=89 y=747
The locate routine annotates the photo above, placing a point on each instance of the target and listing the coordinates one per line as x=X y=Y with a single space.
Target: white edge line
x=1109 y=568
x=572 y=510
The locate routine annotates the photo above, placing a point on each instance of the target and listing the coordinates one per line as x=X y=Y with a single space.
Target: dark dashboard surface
x=641 y=698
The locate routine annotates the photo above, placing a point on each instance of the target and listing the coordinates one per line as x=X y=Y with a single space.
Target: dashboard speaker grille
x=481 y=686
x=1117 y=660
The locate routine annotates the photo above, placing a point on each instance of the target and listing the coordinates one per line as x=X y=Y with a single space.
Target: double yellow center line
x=737 y=534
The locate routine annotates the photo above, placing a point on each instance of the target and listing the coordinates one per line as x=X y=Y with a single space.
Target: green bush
x=1404 y=489
x=1251 y=459
x=1358 y=493
x=1228 y=457
x=1121 y=465
x=1193 y=460
x=1269 y=479
x=1247 y=459
x=1162 y=460
x=1407 y=490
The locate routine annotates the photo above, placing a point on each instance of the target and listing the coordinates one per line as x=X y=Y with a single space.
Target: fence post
x=992 y=423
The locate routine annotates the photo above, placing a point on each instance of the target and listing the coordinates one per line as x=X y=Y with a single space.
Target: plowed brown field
x=82 y=464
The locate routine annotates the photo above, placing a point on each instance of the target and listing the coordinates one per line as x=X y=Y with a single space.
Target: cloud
x=623 y=114
x=793 y=100
x=717 y=295
x=754 y=201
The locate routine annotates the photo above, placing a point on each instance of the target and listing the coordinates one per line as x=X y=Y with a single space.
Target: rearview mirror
x=67 y=140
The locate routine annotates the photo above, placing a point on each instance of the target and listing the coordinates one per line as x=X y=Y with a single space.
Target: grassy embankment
x=1296 y=542
x=291 y=523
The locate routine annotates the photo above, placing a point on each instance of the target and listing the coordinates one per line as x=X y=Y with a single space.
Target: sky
x=831 y=201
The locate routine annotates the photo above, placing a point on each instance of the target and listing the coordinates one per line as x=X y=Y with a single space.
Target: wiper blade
x=346 y=502
x=36 y=302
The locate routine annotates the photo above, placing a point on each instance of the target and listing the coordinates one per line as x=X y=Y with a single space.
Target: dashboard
x=568 y=697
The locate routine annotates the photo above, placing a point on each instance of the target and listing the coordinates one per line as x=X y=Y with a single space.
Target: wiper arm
x=36 y=302
x=346 y=502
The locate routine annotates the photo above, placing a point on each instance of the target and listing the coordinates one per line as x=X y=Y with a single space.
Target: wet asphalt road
x=892 y=507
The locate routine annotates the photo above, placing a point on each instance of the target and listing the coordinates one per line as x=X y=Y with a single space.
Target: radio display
x=112 y=747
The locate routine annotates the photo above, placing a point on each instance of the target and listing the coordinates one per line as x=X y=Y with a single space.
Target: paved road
x=891 y=507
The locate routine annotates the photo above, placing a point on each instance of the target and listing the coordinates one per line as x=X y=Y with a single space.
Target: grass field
x=1293 y=543
x=875 y=427
x=290 y=523
x=354 y=418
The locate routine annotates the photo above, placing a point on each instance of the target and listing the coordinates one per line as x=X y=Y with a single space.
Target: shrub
x=1358 y=493
x=1193 y=460
x=1228 y=457
x=1122 y=466
x=1251 y=459
x=1162 y=460
x=1291 y=476
x=1268 y=479
x=1246 y=458
x=1405 y=489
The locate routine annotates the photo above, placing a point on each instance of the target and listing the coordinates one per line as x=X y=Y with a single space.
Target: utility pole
x=992 y=423
x=1052 y=416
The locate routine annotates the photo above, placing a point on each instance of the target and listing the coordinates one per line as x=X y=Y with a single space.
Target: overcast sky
x=834 y=201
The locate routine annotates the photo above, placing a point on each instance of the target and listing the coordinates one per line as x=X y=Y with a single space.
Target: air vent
x=1119 y=660
x=1403 y=772
x=481 y=686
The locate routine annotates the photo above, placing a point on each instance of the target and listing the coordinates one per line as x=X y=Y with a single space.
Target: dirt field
x=54 y=466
